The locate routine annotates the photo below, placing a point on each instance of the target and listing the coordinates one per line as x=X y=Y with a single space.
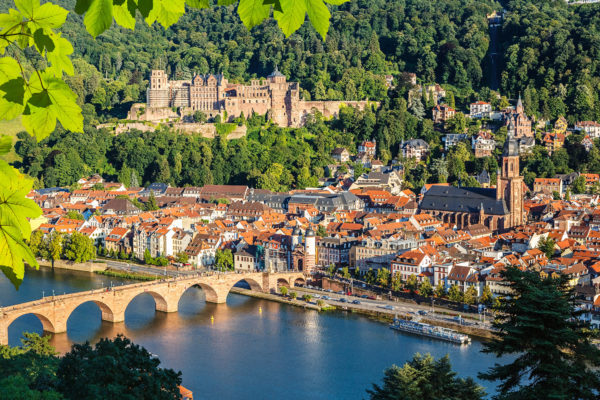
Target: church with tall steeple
x=499 y=208
x=509 y=185
x=517 y=122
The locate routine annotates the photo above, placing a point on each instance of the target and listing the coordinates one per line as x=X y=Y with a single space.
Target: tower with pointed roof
x=510 y=183
x=519 y=107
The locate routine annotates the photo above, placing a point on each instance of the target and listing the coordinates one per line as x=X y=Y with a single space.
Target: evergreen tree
x=151 y=203
x=417 y=108
x=424 y=378
x=539 y=325
x=546 y=245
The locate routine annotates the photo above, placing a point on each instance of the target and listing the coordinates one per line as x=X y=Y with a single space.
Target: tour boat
x=436 y=332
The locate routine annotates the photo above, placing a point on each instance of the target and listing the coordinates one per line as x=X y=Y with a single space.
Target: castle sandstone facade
x=214 y=95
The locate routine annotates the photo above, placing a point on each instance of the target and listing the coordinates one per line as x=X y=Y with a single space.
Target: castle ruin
x=214 y=95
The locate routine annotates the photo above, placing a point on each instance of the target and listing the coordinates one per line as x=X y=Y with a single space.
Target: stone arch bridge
x=54 y=311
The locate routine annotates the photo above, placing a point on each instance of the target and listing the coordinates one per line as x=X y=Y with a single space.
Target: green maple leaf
x=292 y=17
x=198 y=3
x=98 y=17
x=15 y=210
x=12 y=98
x=48 y=16
x=5 y=144
x=319 y=15
x=51 y=99
x=336 y=2
x=59 y=56
x=166 y=12
x=253 y=12
x=125 y=14
x=12 y=89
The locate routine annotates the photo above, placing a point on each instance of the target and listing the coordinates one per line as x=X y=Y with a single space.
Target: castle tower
x=296 y=237
x=310 y=251
x=510 y=183
x=157 y=94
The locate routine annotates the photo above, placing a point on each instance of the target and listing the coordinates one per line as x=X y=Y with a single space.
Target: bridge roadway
x=54 y=311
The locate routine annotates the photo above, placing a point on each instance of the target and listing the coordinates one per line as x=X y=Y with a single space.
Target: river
x=281 y=352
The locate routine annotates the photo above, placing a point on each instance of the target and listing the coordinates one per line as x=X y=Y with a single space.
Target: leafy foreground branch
x=37 y=92
x=112 y=369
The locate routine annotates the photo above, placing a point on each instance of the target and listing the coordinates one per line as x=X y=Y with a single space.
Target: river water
x=281 y=352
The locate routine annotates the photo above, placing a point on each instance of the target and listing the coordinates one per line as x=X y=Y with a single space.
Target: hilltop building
x=518 y=123
x=215 y=95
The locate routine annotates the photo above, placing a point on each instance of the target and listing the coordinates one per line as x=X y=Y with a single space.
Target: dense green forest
x=443 y=41
x=552 y=56
x=550 y=53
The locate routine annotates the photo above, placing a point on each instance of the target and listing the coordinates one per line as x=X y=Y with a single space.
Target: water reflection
x=281 y=352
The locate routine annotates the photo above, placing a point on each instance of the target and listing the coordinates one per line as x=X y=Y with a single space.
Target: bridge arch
x=298 y=280
x=47 y=324
x=254 y=284
x=108 y=314
x=210 y=293
x=282 y=282
x=161 y=302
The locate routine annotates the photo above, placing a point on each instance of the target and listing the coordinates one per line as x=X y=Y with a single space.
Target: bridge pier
x=3 y=335
x=113 y=317
x=58 y=326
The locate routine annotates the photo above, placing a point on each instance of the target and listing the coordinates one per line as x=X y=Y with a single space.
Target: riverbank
x=127 y=275
x=383 y=315
x=279 y=299
x=71 y=266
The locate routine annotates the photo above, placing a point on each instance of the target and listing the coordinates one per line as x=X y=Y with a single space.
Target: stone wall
x=331 y=109
x=206 y=130
x=83 y=267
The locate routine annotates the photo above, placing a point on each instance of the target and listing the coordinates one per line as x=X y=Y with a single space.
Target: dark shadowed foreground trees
x=111 y=369
x=424 y=378
x=553 y=356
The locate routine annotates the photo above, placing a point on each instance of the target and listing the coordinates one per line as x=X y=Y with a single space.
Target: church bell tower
x=510 y=184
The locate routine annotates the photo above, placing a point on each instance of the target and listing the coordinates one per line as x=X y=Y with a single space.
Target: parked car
x=371 y=298
x=329 y=290
x=325 y=297
x=388 y=307
x=343 y=300
x=356 y=302
x=340 y=292
x=422 y=312
x=364 y=296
